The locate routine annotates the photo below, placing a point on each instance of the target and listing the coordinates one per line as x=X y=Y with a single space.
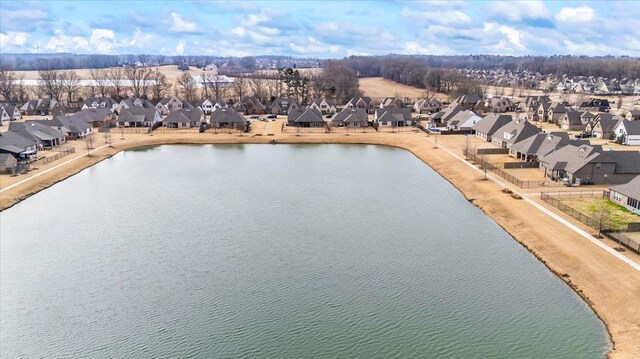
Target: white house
x=628 y=133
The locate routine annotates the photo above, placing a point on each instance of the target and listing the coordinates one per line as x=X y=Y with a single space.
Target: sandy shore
x=610 y=286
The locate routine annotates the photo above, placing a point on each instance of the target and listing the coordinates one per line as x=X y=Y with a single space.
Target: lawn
x=590 y=205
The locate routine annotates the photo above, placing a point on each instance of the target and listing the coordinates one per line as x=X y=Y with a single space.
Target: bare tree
x=138 y=80
x=88 y=141
x=240 y=86
x=159 y=86
x=258 y=86
x=115 y=78
x=99 y=80
x=50 y=84
x=187 y=86
x=8 y=83
x=71 y=85
x=20 y=94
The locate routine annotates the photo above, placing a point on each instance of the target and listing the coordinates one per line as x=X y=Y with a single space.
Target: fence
x=554 y=199
x=65 y=152
x=508 y=177
x=624 y=240
x=126 y=130
x=492 y=151
x=177 y=130
x=512 y=165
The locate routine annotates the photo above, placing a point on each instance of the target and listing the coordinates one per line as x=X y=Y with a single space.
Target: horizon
x=369 y=28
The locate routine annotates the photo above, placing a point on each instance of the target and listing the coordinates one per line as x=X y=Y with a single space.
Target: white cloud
x=575 y=14
x=518 y=10
x=13 y=39
x=180 y=48
x=140 y=39
x=440 y=17
x=414 y=48
x=103 y=40
x=181 y=25
x=513 y=35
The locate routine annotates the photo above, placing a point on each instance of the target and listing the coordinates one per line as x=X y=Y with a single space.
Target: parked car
x=329 y=116
x=254 y=117
x=272 y=116
x=583 y=135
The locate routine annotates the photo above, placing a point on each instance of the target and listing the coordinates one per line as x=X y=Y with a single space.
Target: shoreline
x=606 y=284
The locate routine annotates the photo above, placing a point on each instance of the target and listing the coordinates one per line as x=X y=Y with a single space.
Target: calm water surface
x=275 y=252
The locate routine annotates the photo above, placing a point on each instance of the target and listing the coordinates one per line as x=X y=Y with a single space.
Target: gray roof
x=184 y=116
x=491 y=123
x=14 y=142
x=106 y=102
x=72 y=124
x=137 y=114
x=350 y=115
x=542 y=143
x=573 y=117
x=226 y=115
x=91 y=115
x=35 y=130
x=519 y=130
x=4 y=158
x=460 y=118
x=309 y=115
x=572 y=158
x=470 y=99
x=626 y=161
x=632 y=127
x=367 y=100
x=630 y=189
x=403 y=112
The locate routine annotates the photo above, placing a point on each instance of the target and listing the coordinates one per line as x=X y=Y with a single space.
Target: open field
x=378 y=88
x=609 y=285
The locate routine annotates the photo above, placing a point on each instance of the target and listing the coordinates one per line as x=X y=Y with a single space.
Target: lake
x=275 y=251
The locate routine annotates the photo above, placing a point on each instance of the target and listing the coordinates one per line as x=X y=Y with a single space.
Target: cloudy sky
x=325 y=29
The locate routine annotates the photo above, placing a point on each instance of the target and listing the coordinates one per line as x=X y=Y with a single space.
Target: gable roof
x=519 y=130
x=632 y=127
x=351 y=115
x=226 y=115
x=35 y=130
x=308 y=115
x=137 y=114
x=542 y=143
x=184 y=115
x=491 y=123
x=354 y=101
x=73 y=124
x=14 y=142
x=629 y=189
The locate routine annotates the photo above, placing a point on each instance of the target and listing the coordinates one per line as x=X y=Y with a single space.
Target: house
x=24 y=149
x=131 y=102
x=282 y=105
x=427 y=106
x=41 y=107
x=305 y=118
x=393 y=116
x=571 y=121
x=137 y=116
x=169 y=104
x=211 y=67
x=441 y=118
x=531 y=102
x=363 y=102
x=250 y=105
x=96 y=117
x=72 y=127
x=627 y=194
x=633 y=115
x=184 y=118
x=100 y=102
x=7 y=162
x=392 y=102
x=586 y=163
x=540 y=112
x=208 y=105
x=555 y=112
x=500 y=104
x=627 y=133
x=587 y=117
x=13 y=112
x=530 y=149
x=603 y=127
x=514 y=132
x=351 y=117
x=463 y=120
x=4 y=116
x=595 y=104
x=488 y=125
x=43 y=135
x=224 y=117
x=325 y=106
x=468 y=102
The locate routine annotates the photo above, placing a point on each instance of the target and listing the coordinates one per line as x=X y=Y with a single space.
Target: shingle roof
x=309 y=115
x=351 y=115
x=491 y=123
x=184 y=116
x=630 y=189
x=226 y=115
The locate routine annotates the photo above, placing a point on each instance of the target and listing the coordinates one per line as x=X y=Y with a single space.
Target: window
x=617 y=197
